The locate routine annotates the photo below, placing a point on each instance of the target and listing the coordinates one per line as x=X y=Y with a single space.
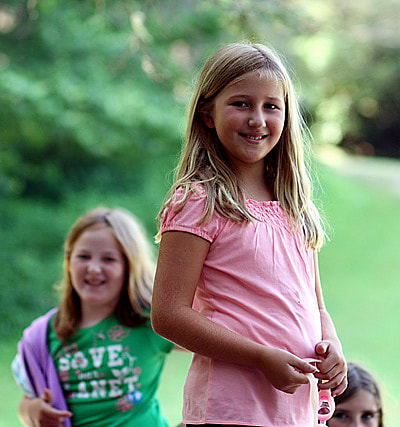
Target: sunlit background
x=92 y=112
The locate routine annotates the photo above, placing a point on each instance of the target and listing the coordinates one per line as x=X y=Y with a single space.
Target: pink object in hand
x=326 y=406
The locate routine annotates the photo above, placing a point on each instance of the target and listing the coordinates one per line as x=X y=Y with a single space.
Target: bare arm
x=38 y=412
x=180 y=262
x=333 y=368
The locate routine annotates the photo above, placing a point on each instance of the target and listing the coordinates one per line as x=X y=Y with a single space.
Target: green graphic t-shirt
x=110 y=374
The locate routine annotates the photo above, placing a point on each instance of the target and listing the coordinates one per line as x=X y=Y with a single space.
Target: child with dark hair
x=361 y=403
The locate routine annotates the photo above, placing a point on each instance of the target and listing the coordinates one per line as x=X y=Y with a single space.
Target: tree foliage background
x=92 y=93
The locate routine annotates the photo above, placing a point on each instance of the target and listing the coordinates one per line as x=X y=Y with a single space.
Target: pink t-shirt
x=257 y=280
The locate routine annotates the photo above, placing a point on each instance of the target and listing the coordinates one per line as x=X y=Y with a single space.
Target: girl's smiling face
x=248 y=116
x=97 y=269
x=360 y=410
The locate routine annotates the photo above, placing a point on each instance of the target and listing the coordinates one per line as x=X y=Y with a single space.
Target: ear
x=206 y=116
x=207 y=119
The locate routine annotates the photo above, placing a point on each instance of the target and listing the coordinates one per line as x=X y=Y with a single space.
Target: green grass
x=360 y=271
x=9 y=390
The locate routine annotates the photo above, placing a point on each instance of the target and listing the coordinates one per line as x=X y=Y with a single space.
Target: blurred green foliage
x=93 y=93
x=79 y=108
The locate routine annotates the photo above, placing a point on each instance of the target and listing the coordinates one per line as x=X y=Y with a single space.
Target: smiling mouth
x=253 y=137
x=95 y=284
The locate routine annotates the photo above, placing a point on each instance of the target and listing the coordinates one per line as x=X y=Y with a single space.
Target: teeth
x=256 y=138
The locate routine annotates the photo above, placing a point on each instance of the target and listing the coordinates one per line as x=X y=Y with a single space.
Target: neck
x=263 y=194
x=255 y=186
x=92 y=316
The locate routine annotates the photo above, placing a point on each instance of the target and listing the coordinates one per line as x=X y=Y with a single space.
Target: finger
x=322 y=348
x=58 y=413
x=304 y=366
x=47 y=396
x=340 y=388
x=327 y=372
x=330 y=368
x=53 y=416
x=53 y=413
x=321 y=377
x=329 y=375
x=333 y=382
x=312 y=360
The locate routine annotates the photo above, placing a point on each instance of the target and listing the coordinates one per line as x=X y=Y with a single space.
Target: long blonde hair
x=133 y=308
x=202 y=158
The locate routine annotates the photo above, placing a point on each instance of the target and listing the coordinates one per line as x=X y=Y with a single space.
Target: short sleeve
x=188 y=218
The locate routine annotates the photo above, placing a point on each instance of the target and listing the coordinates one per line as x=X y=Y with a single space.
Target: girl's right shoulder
x=189 y=196
x=192 y=197
x=187 y=211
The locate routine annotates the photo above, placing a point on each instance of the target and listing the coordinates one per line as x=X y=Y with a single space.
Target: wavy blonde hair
x=133 y=308
x=202 y=160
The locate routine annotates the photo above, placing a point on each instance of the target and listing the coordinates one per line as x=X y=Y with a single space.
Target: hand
x=285 y=371
x=42 y=414
x=332 y=369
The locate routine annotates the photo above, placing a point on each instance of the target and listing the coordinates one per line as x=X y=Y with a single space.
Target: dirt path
x=378 y=172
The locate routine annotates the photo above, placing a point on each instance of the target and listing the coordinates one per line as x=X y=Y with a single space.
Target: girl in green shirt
x=102 y=361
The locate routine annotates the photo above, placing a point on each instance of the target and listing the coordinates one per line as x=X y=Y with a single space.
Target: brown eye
x=369 y=415
x=340 y=415
x=241 y=104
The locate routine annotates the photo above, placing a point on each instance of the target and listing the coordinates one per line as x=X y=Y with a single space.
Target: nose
x=357 y=422
x=94 y=266
x=257 y=118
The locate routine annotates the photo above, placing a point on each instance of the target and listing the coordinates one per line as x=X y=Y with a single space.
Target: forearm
x=193 y=331
x=328 y=327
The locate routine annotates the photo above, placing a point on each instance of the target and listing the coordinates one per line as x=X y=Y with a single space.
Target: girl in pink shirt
x=237 y=279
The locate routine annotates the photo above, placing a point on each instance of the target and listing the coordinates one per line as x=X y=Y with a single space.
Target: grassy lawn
x=360 y=271
x=9 y=390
